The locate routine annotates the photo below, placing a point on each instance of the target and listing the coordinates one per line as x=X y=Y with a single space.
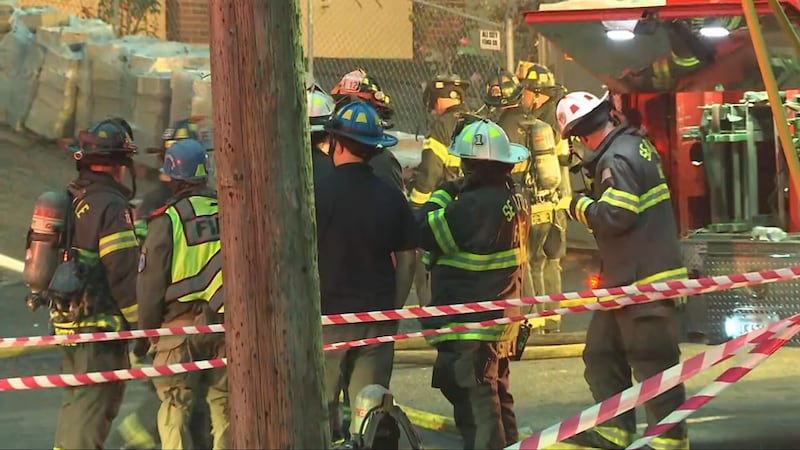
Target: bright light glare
x=714 y=32
x=629 y=25
x=620 y=35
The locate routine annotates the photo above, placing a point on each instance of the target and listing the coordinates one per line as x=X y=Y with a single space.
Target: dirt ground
x=29 y=167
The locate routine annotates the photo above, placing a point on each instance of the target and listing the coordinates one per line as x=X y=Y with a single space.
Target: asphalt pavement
x=759 y=412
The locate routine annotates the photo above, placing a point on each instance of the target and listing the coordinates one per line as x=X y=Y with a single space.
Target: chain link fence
x=425 y=37
x=401 y=43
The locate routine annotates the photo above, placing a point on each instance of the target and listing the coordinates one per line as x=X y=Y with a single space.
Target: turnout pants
x=618 y=344
x=355 y=368
x=474 y=377
x=139 y=429
x=87 y=412
x=179 y=393
x=546 y=246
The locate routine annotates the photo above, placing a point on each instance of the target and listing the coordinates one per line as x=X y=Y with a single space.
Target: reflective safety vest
x=196 y=271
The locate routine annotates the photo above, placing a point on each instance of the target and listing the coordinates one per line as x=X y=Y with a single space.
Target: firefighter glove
x=573 y=204
x=564 y=203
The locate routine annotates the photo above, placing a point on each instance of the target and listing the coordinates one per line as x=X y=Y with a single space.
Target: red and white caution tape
x=36 y=341
x=83 y=379
x=722 y=382
x=638 y=293
x=690 y=286
x=606 y=304
x=650 y=388
x=66 y=380
x=646 y=390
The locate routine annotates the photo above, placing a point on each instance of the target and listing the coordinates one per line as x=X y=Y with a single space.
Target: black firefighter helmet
x=444 y=86
x=502 y=89
x=195 y=127
x=109 y=142
x=534 y=76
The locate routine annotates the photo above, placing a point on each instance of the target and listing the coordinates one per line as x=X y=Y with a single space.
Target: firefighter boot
x=606 y=438
x=662 y=443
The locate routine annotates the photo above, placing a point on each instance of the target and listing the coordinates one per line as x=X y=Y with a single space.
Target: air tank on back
x=42 y=253
x=545 y=160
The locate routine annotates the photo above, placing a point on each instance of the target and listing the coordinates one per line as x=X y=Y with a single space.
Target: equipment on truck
x=693 y=74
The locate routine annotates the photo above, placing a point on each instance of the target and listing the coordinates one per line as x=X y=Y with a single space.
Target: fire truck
x=715 y=85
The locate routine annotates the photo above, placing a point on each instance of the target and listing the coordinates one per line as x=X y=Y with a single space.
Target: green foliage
x=133 y=17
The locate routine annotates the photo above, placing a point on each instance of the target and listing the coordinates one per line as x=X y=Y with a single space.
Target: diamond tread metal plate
x=746 y=308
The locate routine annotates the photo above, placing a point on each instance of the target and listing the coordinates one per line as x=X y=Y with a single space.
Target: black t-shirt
x=322 y=165
x=384 y=165
x=361 y=221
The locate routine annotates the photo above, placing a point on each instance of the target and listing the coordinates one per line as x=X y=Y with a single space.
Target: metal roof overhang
x=576 y=27
x=598 y=10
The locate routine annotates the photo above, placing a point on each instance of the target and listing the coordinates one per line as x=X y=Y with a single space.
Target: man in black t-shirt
x=366 y=238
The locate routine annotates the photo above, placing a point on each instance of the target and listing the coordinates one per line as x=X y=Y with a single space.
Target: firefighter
x=185 y=291
x=444 y=98
x=357 y=85
x=362 y=225
x=103 y=247
x=630 y=213
x=540 y=95
x=502 y=95
x=140 y=428
x=503 y=98
x=320 y=108
x=183 y=129
x=475 y=229
x=688 y=53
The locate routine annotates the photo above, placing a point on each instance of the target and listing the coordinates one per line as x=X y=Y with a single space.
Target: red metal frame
x=674 y=9
x=679 y=110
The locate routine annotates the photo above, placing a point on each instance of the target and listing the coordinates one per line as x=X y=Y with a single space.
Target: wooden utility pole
x=272 y=311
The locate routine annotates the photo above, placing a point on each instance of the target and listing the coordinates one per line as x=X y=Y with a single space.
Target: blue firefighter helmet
x=186 y=160
x=360 y=122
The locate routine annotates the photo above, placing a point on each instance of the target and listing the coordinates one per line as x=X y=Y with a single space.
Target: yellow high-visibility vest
x=196 y=271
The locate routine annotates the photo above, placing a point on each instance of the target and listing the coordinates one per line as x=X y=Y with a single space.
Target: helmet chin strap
x=86 y=163
x=131 y=170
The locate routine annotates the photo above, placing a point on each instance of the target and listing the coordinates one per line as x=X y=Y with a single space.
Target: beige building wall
x=360 y=28
x=342 y=28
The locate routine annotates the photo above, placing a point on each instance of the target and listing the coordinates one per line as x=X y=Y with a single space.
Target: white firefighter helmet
x=320 y=108
x=485 y=140
x=574 y=107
